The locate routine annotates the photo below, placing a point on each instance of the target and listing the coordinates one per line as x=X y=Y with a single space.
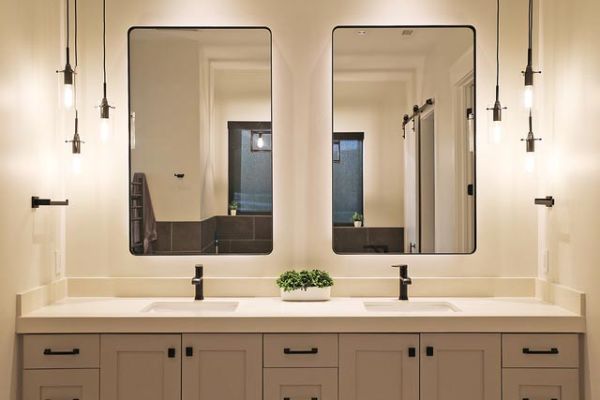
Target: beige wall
x=302 y=155
x=376 y=109
x=568 y=121
x=32 y=145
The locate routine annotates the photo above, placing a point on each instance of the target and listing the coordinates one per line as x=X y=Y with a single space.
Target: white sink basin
x=409 y=307
x=192 y=307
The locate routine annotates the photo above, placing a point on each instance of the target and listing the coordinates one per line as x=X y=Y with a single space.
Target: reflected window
x=347 y=155
x=250 y=167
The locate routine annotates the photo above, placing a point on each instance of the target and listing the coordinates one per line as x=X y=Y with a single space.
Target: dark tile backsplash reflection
x=243 y=234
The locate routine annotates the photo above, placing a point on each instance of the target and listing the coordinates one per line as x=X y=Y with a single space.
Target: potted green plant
x=305 y=285
x=233 y=206
x=358 y=219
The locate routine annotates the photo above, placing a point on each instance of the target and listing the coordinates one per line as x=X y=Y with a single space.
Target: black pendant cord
x=68 y=30
x=497 y=108
x=75 y=1
x=76 y=63
x=104 y=44
x=104 y=105
x=497 y=49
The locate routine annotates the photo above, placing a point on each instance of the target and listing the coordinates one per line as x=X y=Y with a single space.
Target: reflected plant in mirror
x=403 y=142
x=201 y=167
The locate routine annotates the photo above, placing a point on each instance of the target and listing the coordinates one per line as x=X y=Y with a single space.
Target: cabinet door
x=300 y=383
x=460 y=367
x=140 y=367
x=60 y=384
x=540 y=384
x=379 y=367
x=224 y=367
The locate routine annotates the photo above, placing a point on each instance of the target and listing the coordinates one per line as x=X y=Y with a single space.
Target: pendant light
x=105 y=122
x=529 y=72
x=76 y=142
x=260 y=142
x=68 y=72
x=530 y=146
x=496 y=132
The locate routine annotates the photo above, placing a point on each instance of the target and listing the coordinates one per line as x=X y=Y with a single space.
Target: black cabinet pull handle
x=553 y=350
x=429 y=351
x=412 y=352
x=528 y=398
x=50 y=352
x=189 y=351
x=312 y=398
x=287 y=350
x=171 y=352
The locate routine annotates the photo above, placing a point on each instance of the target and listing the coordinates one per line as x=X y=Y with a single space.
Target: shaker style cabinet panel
x=461 y=367
x=140 y=367
x=60 y=384
x=379 y=367
x=540 y=384
x=300 y=383
x=222 y=366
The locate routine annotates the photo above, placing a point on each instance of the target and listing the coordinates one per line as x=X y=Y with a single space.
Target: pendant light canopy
x=68 y=72
x=105 y=123
x=529 y=72
x=497 y=109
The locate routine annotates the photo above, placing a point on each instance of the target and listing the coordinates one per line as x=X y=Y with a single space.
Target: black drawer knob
x=553 y=350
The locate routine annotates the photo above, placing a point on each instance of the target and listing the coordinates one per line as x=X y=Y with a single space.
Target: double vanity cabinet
x=328 y=366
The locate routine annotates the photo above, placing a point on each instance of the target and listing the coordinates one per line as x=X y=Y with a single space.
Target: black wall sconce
x=36 y=202
x=547 y=201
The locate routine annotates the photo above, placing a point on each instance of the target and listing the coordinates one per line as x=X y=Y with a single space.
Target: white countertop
x=267 y=314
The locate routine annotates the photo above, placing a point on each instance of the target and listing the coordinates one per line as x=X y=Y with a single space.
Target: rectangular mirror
x=403 y=143
x=200 y=141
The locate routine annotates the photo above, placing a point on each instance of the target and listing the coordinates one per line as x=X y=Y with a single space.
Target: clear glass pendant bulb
x=528 y=97
x=496 y=132
x=260 y=142
x=105 y=129
x=529 y=162
x=68 y=96
x=76 y=163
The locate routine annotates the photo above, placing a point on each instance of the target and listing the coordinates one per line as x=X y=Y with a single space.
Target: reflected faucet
x=404 y=281
x=198 y=282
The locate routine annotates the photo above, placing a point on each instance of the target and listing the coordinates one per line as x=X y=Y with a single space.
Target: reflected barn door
x=411 y=188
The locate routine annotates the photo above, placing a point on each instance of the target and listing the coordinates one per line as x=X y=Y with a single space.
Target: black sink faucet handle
x=198 y=282
x=404 y=281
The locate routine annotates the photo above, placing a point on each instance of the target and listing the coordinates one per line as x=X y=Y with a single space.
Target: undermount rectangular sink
x=409 y=307
x=192 y=307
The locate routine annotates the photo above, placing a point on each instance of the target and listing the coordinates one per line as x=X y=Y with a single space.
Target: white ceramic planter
x=232 y=212
x=310 y=294
x=357 y=224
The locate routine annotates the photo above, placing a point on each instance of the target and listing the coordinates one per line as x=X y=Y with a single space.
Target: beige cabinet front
x=379 y=367
x=300 y=383
x=461 y=367
x=60 y=384
x=222 y=367
x=140 y=367
x=540 y=384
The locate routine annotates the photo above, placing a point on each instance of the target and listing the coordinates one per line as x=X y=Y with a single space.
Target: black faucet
x=198 y=282
x=404 y=281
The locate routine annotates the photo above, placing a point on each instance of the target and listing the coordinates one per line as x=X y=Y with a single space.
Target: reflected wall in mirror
x=200 y=141
x=403 y=145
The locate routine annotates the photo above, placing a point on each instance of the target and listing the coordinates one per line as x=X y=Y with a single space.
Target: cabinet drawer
x=302 y=350
x=61 y=351
x=532 y=384
x=45 y=384
x=540 y=350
